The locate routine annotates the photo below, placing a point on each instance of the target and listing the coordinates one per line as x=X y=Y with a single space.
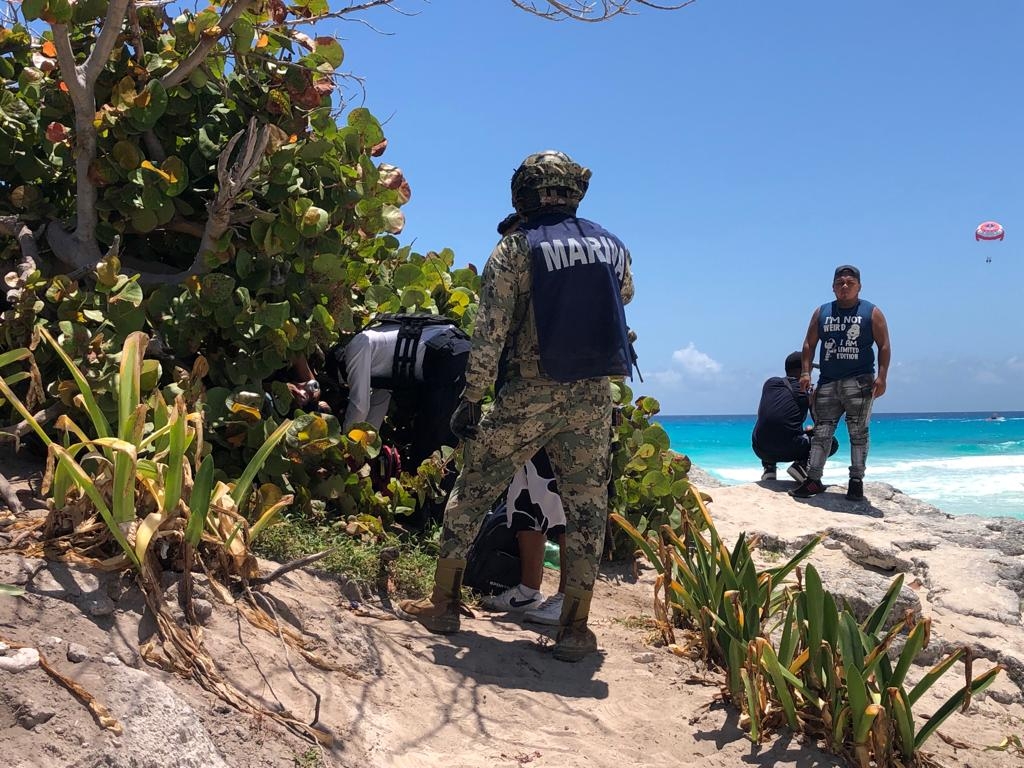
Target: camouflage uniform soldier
x=551 y=317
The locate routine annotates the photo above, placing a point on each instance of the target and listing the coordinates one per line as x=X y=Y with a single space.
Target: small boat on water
x=996 y=417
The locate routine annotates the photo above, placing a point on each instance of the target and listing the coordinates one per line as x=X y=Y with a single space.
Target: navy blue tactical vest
x=847 y=342
x=577 y=268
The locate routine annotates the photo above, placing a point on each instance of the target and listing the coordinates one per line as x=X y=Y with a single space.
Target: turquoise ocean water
x=963 y=463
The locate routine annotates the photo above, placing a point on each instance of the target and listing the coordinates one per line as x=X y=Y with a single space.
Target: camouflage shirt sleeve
x=501 y=290
x=626 y=289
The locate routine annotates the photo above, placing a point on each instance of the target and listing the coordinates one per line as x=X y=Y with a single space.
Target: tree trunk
x=9 y=497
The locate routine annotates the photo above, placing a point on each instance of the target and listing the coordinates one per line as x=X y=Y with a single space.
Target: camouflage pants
x=572 y=423
x=851 y=397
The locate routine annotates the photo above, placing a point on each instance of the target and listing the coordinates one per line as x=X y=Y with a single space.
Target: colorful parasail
x=989 y=230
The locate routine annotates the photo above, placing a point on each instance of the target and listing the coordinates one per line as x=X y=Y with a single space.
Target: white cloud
x=696 y=363
x=665 y=378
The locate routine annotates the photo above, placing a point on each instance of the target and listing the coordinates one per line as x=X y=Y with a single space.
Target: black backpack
x=453 y=344
x=410 y=328
x=493 y=565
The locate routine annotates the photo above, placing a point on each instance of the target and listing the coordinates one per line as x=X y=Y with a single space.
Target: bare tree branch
x=69 y=72
x=27 y=261
x=9 y=497
x=81 y=257
x=367 y=6
x=198 y=54
x=17 y=431
x=232 y=181
x=591 y=10
x=184 y=226
x=133 y=22
x=302 y=562
x=109 y=32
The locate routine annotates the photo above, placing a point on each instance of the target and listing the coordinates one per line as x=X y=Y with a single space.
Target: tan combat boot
x=575 y=639
x=439 y=612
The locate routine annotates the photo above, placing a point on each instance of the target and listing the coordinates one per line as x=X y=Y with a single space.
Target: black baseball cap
x=794 y=360
x=847 y=268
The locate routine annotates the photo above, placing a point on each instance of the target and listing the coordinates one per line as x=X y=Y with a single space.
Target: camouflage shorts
x=572 y=423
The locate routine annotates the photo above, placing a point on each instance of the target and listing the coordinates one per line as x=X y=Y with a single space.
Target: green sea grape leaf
x=657 y=436
x=144 y=220
x=175 y=168
x=406 y=274
x=131 y=293
x=242 y=32
x=329 y=50
x=273 y=315
x=314 y=222
x=32 y=9
x=412 y=297
x=60 y=11
x=369 y=129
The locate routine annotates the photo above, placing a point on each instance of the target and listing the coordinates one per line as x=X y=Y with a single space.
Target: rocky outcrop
x=966 y=573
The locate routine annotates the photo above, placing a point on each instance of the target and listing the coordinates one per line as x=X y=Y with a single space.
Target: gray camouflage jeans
x=847 y=396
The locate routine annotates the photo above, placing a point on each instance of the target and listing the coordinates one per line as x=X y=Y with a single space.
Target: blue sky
x=741 y=150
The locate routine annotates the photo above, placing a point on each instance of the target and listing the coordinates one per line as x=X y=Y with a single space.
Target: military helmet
x=548 y=178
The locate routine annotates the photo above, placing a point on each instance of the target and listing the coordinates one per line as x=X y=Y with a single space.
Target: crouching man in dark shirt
x=779 y=434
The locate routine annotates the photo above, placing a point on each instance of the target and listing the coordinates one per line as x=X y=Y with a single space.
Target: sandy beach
x=492 y=695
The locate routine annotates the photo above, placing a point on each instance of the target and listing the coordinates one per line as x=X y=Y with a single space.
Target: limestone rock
x=19 y=660
x=77 y=653
x=965 y=573
x=160 y=728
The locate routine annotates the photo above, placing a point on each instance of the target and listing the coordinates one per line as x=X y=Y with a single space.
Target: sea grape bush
x=240 y=216
x=199 y=178
x=650 y=487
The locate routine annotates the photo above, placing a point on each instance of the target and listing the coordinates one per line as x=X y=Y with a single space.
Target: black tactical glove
x=465 y=420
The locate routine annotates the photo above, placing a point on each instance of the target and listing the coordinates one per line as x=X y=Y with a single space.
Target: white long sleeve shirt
x=372 y=353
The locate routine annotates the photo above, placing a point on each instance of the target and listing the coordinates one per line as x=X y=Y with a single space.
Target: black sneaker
x=855 y=490
x=768 y=474
x=807 y=488
x=798 y=471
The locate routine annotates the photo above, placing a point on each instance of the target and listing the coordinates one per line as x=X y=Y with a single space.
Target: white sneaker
x=514 y=600
x=548 y=612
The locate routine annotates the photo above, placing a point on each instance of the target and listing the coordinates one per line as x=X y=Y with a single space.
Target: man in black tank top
x=849 y=329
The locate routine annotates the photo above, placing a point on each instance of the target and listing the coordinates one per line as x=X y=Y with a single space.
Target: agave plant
x=723 y=594
x=851 y=686
x=791 y=655
x=136 y=476
x=125 y=495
